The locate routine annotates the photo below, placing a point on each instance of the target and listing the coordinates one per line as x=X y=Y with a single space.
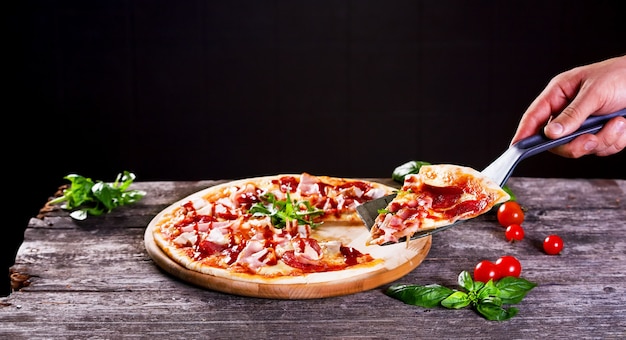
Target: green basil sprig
x=488 y=299
x=86 y=197
x=283 y=211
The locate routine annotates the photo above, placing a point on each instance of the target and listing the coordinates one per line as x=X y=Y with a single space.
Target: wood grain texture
x=96 y=280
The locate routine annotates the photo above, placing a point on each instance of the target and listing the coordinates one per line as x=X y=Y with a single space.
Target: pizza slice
x=437 y=196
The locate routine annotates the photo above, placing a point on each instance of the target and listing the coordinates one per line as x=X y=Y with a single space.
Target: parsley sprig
x=285 y=211
x=86 y=197
x=488 y=299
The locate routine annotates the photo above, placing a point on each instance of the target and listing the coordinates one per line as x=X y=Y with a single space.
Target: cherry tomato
x=509 y=213
x=553 y=244
x=486 y=270
x=514 y=232
x=508 y=266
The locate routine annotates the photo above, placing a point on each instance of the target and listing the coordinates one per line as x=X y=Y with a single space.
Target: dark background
x=191 y=90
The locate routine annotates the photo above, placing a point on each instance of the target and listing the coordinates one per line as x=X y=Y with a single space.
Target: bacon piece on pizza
x=437 y=196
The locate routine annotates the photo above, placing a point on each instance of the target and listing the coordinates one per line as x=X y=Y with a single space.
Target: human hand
x=570 y=98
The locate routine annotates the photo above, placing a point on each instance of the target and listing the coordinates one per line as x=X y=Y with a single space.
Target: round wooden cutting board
x=396 y=261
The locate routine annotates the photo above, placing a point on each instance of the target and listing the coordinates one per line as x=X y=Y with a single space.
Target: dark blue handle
x=538 y=143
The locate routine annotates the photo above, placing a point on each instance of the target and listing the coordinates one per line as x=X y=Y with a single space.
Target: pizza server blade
x=499 y=170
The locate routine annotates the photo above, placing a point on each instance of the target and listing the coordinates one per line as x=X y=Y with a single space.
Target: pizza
x=438 y=195
x=268 y=228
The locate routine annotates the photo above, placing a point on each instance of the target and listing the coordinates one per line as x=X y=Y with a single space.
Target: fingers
x=585 y=102
x=552 y=99
x=530 y=123
x=610 y=140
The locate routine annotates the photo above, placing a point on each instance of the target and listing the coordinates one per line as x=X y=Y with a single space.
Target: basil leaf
x=79 y=215
x=411 y=167
x=126 y=178
x=283 y=211
x=477 y=286
x=131 y=196
x=105 y=194
x=494 y=312
x=456 y=300
x=87 y=197
x=513 y=289
x=489 y=289
x=424 y=296
x=494 y=300
x=77 y=194
x=465 y=280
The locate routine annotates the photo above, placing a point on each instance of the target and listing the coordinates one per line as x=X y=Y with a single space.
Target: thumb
x=566 y=122
x=570 y=119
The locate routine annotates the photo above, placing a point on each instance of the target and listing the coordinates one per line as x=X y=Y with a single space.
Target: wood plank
x=96 y=280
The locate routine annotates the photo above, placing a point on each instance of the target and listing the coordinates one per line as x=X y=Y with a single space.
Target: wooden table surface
x=94 y=279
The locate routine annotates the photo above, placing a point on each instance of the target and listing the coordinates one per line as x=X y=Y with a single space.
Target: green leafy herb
x=510 y=192
x=488 y=299
x=286 y=211
x=410 y=167
x=86 y=197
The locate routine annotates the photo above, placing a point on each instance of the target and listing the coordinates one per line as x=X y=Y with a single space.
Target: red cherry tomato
x=509 y=213
x=553 y=244
x=508 y=266
x=514 y=232
x=486 y=270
